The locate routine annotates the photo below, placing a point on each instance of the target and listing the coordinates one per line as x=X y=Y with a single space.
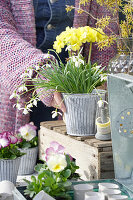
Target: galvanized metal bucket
x=9 y=169
x=81 y=112
x=28 y=161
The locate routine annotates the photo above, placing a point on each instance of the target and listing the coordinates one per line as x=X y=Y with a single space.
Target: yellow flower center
x=57 y=167
x=27 y=134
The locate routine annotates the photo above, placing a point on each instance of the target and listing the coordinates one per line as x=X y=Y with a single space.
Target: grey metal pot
x=9 y=169
x=81 y=112
x=28 y=161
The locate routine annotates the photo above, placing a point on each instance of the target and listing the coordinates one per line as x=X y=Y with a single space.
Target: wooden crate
x=93 y=156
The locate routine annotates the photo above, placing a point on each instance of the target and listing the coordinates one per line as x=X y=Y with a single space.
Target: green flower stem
x=89 y=57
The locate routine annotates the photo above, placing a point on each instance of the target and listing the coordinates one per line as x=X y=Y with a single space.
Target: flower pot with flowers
x=119 y=17
x=28 y=144
x=10 y=156
x=76 y=80
x=54 y=175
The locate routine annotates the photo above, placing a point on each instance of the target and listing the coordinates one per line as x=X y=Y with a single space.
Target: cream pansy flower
x=28 y=132
x=57 y=162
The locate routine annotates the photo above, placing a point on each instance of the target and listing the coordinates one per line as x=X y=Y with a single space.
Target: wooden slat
x=97 y=143
x=51 y=124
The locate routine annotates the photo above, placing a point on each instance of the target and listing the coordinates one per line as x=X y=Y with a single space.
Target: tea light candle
x=109 y=192
x=104 y=186
x=93 y=196
x=80 y=189
x=118 y=197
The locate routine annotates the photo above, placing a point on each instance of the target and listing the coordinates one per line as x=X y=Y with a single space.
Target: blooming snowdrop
x=14 y=95
x=101 y=103
x=55 y=113
x=22 y=88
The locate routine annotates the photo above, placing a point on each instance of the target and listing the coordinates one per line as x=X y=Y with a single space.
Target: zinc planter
x=81 y=112
x=9 y=169
x=28 y=161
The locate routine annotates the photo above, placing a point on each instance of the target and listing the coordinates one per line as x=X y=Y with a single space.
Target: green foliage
x=69 y=78
x=28 y=144
x=10 y=152
x=56 y=184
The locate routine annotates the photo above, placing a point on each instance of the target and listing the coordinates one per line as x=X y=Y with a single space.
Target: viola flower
x=57 y=163
x=4 y=141
x=11 y=137
x=28 y=131
x=55 y=148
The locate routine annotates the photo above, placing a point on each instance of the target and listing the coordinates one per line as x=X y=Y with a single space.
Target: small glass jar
x=123 y=61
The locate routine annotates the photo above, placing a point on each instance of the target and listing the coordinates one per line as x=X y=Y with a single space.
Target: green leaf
x=67 y=173
x=38 y=167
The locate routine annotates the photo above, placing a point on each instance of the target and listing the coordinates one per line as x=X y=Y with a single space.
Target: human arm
x=16 y=52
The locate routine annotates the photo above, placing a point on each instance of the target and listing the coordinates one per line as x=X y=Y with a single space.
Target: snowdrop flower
x=25 y=111
x=77 y=60
x=57 y=163
x=98 y=66
x=35 y=102
x=28 y=131
x=101 y=103
x=55 y=113
x=30 y=105
x=17 y=106
x=22 y=88
x=14 y=95
x=30 y=72
x=103 y=77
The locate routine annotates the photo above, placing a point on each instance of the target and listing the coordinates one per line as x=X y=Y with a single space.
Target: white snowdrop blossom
x=25 y=111
x=35 y=102
x=14 y=95
x=98 y=66
x=103 y=77
x=101 y=103
x=55 y=113
x=30 y=105
x=22 y=88
x=18 y=106
x=28 y=132
x=78 y=61
x=57 y=162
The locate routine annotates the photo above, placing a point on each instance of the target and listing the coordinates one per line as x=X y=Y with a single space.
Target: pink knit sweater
x=17 y=52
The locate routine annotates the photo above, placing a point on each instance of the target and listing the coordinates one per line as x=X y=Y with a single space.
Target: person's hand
x=57 y=102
